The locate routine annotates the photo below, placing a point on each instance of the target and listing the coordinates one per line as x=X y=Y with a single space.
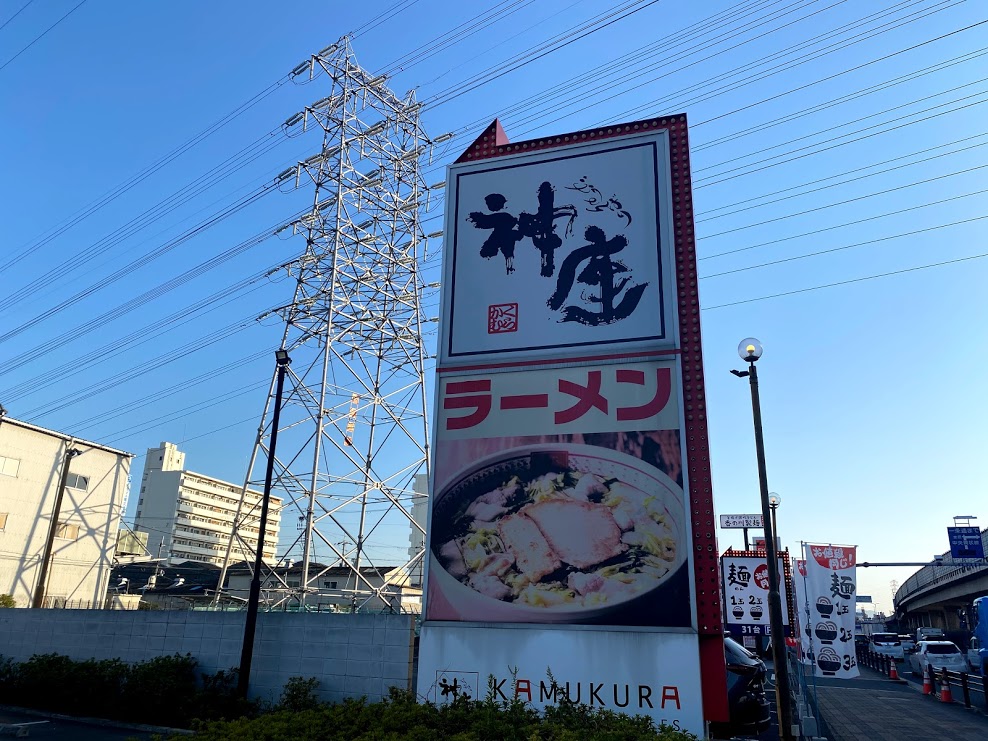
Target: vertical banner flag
x=830 y=590
x=801 y=627
x=570 y=484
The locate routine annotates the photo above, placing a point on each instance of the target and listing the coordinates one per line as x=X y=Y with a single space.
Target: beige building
x=189 y=516
x=31 y=463
x=331 y=588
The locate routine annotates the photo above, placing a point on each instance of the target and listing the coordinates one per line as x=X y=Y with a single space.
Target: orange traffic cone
x=945 y=695
x=893 y=672
x=927 y=683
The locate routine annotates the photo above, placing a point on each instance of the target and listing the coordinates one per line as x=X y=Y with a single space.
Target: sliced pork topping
x=529 y=547
x=489 y=585
x=581 y=533
x=453 y=559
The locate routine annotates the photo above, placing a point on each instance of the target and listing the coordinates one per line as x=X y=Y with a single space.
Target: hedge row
x=170 y=691
x=165 y=690
x=402 y=716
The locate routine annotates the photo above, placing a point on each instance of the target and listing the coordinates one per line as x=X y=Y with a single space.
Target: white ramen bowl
x=489 y=473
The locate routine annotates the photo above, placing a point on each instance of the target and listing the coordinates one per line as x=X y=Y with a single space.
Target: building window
x=329 y=584
x=8 y=466
x=67 y=531
x=75 y=481
x=3 y=521
x=294 y=583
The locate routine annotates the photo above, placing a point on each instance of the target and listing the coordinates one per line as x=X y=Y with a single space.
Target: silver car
x=939 y=655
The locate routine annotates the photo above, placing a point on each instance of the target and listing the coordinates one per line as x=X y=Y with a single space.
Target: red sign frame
x=493 y=143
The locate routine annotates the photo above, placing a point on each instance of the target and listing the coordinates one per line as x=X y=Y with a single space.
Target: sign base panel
x=638 y=673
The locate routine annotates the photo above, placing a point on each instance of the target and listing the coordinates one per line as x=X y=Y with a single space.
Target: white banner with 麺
x=830 y=590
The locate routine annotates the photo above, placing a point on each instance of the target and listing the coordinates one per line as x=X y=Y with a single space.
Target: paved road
x=65 y=730
x=873 y=708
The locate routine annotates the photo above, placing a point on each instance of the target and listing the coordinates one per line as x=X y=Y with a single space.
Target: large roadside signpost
x=571 y=527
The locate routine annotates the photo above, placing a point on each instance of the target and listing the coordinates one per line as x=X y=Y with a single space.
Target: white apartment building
x=416 y=536
x=189 y=516
x=31 y=464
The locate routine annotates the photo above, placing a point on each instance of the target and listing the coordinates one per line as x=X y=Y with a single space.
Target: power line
x=831 y=250
x=147 y=172
x=23 y=8
x=824 y=149
x=598 y=23
x=748 y=205
x=745 y=71
x=847 y=282
x=851 y=122
x=815 y=232
x=38 y=38
x=848 y=200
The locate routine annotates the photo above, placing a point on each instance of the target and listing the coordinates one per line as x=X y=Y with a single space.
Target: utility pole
x=42 y=584
x=250 y=625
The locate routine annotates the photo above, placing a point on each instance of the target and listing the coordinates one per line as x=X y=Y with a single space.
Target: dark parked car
x=745 y=693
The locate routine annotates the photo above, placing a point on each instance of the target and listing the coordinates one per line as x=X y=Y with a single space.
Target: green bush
x=299 y=694
x=7 y=601
x=169 y=691
x=165 y=690
x=402 y=717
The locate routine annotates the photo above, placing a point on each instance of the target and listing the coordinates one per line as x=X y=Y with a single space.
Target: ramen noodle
x=562 y=540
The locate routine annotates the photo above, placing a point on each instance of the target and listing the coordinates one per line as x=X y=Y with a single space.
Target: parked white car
x=930 y=634
x=887 y=644
x=939 y=655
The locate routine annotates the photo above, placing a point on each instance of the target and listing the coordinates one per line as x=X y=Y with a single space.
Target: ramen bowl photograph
x=563 y=533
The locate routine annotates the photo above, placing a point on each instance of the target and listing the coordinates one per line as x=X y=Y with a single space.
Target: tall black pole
x=772 y=556
x=42 y=585
x=250 y=626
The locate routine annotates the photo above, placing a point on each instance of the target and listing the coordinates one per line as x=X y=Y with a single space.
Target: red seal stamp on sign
x=502 y=318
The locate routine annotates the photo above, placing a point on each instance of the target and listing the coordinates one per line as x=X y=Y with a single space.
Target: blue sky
x=871 y=390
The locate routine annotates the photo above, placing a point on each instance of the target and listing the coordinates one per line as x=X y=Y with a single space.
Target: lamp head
x=774 y=500
x=750 y=349
x=281 y=356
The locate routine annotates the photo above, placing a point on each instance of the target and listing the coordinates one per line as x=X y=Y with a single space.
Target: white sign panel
x=640 y=673
x=830 y=589
x=558 y=498
x=558 y=252
x=746 y=592
x=738 y=522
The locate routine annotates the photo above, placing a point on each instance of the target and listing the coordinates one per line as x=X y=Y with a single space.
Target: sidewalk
x=873 y=708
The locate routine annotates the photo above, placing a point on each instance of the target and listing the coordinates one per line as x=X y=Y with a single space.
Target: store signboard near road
x=571 y=494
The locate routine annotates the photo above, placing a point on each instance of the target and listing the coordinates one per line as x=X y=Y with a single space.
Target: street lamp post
x=774 y=500
x=250 y=625
x=750 y=351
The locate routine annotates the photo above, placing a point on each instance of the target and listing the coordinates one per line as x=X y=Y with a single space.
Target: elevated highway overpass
x=940 y=593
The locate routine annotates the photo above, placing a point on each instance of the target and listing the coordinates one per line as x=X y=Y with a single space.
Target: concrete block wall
x=350 y=655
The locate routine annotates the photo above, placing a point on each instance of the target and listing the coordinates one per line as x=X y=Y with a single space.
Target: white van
x=929 y=634
x=887 y=644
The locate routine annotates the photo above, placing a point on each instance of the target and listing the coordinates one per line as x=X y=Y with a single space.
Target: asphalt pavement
x=45 y=728
x=874 y=708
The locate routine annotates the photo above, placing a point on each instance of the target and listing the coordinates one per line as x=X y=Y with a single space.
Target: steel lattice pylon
x=353 y=433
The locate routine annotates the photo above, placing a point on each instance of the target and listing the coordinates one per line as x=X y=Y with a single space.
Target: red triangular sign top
x=492 y=136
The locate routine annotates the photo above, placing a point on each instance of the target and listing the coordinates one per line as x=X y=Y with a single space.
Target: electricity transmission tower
x=353 y=433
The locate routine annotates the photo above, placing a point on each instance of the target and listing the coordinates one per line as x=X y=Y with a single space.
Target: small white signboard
x=738 y=522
